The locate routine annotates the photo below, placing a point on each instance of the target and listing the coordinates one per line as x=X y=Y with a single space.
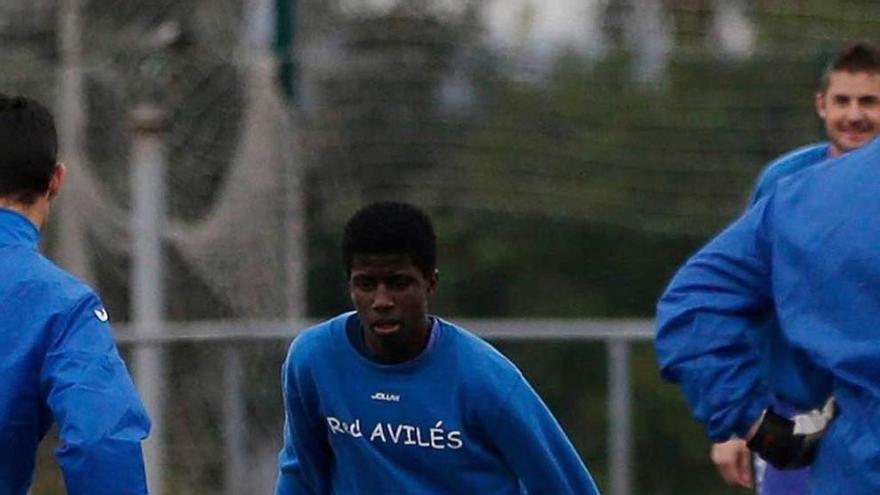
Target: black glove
x=791 y=443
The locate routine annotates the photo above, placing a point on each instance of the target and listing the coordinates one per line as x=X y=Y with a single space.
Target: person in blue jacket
x=389 y=399
x=58 y=359
x=848 y=102
x=808 y=253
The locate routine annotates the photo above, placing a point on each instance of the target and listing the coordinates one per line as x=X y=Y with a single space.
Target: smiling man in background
x=782 y=308
x=848 y=102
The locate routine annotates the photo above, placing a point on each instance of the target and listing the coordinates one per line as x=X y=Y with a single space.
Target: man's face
x=391 y=295
x=850 y=108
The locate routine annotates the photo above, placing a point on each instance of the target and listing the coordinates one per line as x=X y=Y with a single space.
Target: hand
x=790 y=443
x=734 y=461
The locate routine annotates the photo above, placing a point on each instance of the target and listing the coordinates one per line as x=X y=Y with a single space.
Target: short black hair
x=385 y=228
x=856 y=57
x=28 y=148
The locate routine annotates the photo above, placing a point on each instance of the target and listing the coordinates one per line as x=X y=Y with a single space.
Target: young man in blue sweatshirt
x=389 y=399
x=58 y=359
x=848 y=102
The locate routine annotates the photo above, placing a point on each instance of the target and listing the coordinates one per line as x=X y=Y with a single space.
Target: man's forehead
x=393 y=260
x=846 y=81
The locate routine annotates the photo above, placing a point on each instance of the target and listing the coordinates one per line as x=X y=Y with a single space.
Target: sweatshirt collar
x=15 y=228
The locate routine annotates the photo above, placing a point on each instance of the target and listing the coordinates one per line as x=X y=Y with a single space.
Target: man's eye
x=364 y=284
x=399 y=282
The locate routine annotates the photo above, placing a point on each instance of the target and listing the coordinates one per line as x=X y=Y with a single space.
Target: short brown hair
x=856 y=57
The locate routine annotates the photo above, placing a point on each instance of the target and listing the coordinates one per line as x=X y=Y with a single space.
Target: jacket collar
x=15 y=228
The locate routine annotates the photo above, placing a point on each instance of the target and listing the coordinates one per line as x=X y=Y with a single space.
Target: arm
x=305 y=459
x=533 y=445
x=703 y=320
x=91 y=396
x=732 y=458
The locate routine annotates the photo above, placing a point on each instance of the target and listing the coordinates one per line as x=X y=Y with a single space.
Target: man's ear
x=820 y=105
x=57 y=180
x=433 y=280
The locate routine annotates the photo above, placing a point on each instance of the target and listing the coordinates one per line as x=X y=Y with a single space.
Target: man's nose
x=855 y=111
x=383 y=299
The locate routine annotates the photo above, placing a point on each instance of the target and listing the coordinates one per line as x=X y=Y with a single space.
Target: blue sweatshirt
x=788 y=164
x=58 y=361
x=809 y=251
x=780 y=359
x=459 y=419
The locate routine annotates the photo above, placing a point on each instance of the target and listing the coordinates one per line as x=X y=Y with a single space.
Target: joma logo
x=385 y=396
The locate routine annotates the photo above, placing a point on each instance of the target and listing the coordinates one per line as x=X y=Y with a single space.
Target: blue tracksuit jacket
x=809 y=250
x=459 y=419
x=780 y=360
x=789 y=164
x=58 y=362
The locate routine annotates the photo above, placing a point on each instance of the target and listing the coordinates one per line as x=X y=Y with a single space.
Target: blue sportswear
x=788 y=164
x=809 y=251
x=459 y=419
x=59 y=362
x=779 y=359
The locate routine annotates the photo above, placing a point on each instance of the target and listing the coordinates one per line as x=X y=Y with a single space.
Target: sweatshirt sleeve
x=703 y=320
x=90 y=394
x=305 y=459
x=534 y=446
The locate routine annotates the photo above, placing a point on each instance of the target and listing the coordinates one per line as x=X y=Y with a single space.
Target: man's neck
x=394 y=352
x=35 y=212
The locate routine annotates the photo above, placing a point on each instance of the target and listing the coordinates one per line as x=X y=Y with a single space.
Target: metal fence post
x=235 y=474
x=72 y=253
x=619 y=416
x=148 y=191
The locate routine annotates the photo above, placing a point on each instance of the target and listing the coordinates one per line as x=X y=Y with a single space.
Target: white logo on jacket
x=101 y=314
